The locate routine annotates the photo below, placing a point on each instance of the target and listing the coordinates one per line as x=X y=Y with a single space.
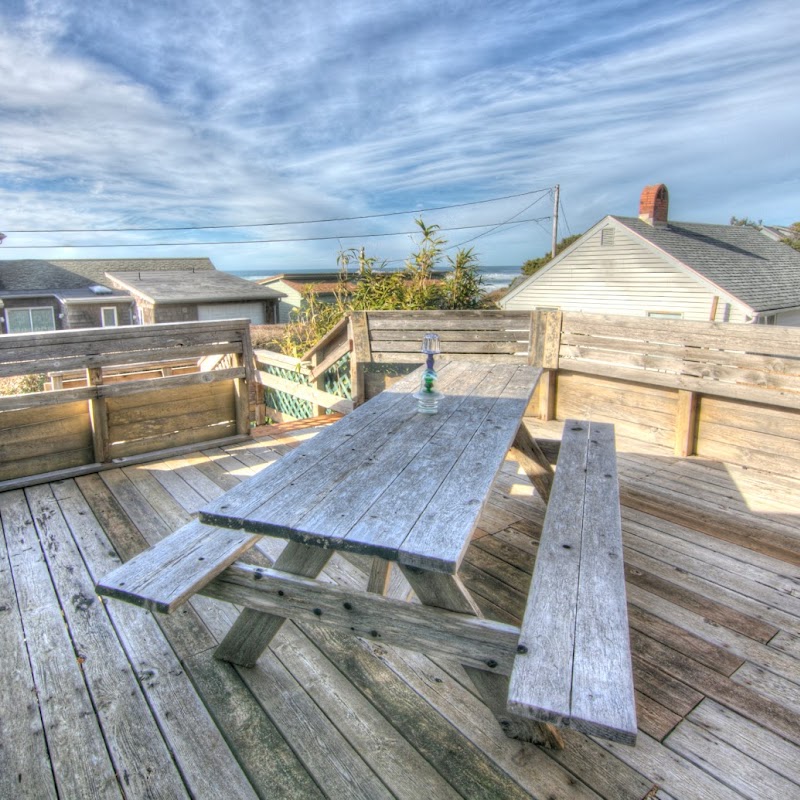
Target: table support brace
x=447 y=591
x=253 y=630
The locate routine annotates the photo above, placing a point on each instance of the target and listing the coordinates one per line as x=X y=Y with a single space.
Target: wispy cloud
x=243 y=112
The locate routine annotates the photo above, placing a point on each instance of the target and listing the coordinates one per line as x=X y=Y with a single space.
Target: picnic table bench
x=408 y=488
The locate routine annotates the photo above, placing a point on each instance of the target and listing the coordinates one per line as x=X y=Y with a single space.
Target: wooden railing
x=382 y=346
x=70 y=379
x=720 y=391
x=299 y=387
x=383 y=340
x=723 y=391
x=108 y=422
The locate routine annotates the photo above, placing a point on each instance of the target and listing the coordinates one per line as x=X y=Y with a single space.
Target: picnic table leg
x=254 y=630
x=447 y=591
x=527 y=453
x=379 y=575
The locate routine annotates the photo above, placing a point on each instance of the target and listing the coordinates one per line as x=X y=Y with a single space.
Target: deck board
x=134 y=705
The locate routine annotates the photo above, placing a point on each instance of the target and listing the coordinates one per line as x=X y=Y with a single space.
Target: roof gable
x=737 y=261
x=761 y=273
x=578 y=243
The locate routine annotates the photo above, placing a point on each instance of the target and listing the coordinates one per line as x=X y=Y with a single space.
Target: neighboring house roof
x=302 y=277
x=739 y=259
x=55 y=275
x=328 y=287
x=206 y=286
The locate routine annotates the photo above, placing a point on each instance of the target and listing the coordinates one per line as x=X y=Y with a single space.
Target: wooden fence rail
x=106 y=422
x=719 y=390
x=716 y=390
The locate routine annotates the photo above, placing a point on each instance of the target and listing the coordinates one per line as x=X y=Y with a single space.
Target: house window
x=665 y=314
x=768 y=319
x=109 y=316
x=607 y=237
x=30 y=320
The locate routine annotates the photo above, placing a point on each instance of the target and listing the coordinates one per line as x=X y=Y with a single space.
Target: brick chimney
x=654 y=205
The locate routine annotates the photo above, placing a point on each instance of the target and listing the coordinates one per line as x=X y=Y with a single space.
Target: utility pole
x=555 y=219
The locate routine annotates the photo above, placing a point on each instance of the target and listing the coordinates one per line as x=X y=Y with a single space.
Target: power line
x=493 y=225
x=275 y=224
x=501 y=224
x=564 y=216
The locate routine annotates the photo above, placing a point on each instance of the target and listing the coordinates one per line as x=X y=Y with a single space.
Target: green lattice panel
x=284 y=402
x=337 y=378
x=337 y=382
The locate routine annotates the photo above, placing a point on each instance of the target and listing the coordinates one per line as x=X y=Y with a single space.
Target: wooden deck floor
x=101 y=699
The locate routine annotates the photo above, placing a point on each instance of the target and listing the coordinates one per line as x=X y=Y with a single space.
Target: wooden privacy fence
x=382 y=339
x=365 y=352
x=73 y=430
x=720 y=390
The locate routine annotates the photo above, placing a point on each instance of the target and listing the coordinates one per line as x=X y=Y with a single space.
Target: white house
x=292 y=285
x=651 y=266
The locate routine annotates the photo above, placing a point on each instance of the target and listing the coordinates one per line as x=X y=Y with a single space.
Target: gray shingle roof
x=48 y=276
x=741 y=260
x=200 y=287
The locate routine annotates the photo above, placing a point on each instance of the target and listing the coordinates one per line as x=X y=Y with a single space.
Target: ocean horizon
x=493 y=277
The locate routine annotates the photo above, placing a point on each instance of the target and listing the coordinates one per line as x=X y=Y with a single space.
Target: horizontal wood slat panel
x=166 y=385
x=49 y=462
x=449 y=348
x=187 y=437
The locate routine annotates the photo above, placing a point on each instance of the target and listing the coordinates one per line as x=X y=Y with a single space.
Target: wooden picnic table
x=389 y=482
x=408 y=488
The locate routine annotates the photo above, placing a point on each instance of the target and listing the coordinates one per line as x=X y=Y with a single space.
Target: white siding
x=789 y=318
x=286 y=304
x=254 y=311
x=623 y=278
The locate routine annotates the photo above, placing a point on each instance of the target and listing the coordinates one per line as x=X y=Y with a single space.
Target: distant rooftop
x=54 y=275
x=204 y=286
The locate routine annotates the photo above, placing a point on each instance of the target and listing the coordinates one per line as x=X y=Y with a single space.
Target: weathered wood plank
x=323 y=751
x=763 y=746
x=254 y=630
x=576 y=670
x=545 y=339
x=264 y=754
x=78 y=753
x=728 y=764
x=144 y=760
x=168 y=574
x=462 y=494
x=463 y=765
x=204 y=759
x=418 y=452
x=474 y=640
x=25 y=770
x=246 y=498
x=394 y=761
x=534 y=463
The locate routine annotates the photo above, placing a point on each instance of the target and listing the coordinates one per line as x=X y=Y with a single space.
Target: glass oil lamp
x=428 y=397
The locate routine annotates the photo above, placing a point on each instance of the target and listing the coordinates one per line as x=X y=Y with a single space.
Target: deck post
x=685 y=423
x=99 y=415
x=361 y=354
x=544 y=348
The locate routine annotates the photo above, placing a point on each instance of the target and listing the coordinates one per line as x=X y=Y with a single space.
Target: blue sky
x=154 y=114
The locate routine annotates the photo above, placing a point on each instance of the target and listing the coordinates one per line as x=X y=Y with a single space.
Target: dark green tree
x=745 y=222
x=416 y=287
x=535 y=264
x=793 y=239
